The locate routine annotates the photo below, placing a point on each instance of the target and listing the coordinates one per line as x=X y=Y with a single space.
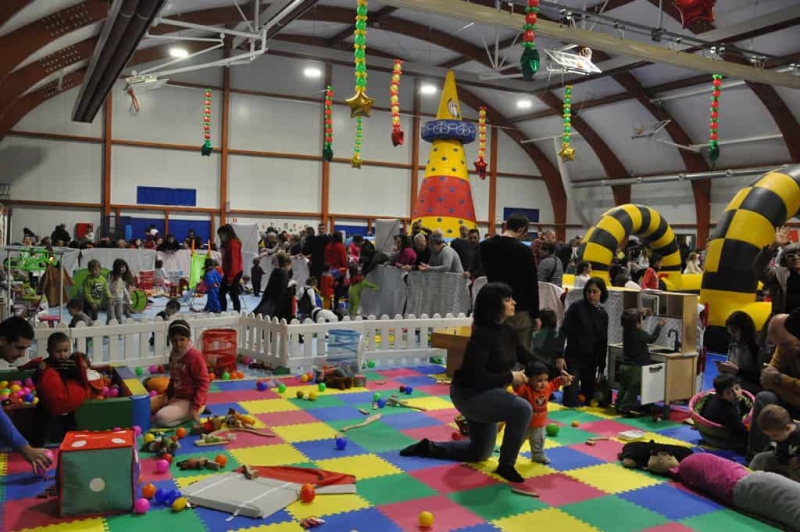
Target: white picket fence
x=397 y=341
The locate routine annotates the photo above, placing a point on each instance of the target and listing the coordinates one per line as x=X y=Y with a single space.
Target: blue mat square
x=671 y=502
x=410 y=420
x=683 y=433
x=409 y=463
x=417 y=381
x=235 y=386
x=366 y=519
x=166 y=485
x=25 y=485
x=565 y=458
x=215 y=520
x=221 y=409
x=325 y=449
x=335 y=413
x=355 y=398
x=483 y=527
x=186 y=443
x=429 y=369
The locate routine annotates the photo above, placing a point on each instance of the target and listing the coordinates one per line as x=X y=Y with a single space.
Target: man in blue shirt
x=16 y=335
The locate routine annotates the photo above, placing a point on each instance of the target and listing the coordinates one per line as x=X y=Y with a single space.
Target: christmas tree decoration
x=360 y=104
x=355 y=162
x=529 y=62
x=567 y=153
x=327 y=147
x=692 y=10
x=394 y=95
x=713 y=120
x=480 y=163
x=206 y=148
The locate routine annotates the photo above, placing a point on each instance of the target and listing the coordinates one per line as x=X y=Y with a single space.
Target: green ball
x=300 y=394
x=361 y=10
x=281 y=388
x=360 y=54
x=371 y=364
x=226 y=376
x=376 y=396
x=139 y=372
x=321 y=386
x=361 y=25
x=361 y=67
x=360 y=40
x=552 y=430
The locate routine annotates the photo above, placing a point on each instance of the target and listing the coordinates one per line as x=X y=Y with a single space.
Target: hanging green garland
x=713 y=120
x=327 y=147
x=567 y=153
x=355 y=162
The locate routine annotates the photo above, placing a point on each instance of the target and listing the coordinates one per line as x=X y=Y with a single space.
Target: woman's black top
x=277 y=299
x=585 y=328
x=490 y=356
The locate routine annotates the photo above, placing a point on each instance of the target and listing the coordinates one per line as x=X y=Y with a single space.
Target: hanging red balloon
x=206 y=148
x=692 y=10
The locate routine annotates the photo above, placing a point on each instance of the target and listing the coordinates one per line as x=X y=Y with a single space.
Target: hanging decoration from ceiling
x=206 y=148
x=355 y=161
x=567 y=153
x=360 y=104
x=480 y=163
x=692 y=10
x=327 y=147
x=713 y=120
x=394 y=94
x=529 y=62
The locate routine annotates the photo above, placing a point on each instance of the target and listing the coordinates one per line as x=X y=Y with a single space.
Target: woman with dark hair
x=231 y=267
x=278 y=298
x=743 y=352
x=479 y=387
x=404 y=254
x=585 y=328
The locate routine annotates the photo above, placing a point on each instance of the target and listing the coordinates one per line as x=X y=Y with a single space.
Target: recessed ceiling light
x=524 y=104
x=312 y=72
x=428 y=89
x=178 y=53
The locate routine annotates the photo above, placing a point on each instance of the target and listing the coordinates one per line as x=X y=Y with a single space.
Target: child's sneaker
x=540 y=459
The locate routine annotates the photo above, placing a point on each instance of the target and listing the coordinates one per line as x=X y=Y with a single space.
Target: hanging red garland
x=713 y=120
x=327 y=147
x=529 y=62
x=394 y=95
x=206 y=148
x=480 y=164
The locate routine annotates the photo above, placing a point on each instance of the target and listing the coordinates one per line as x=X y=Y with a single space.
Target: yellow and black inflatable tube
x=747 y=225
x=615 y=225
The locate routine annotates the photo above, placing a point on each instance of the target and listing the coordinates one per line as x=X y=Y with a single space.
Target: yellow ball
x=15 y=387
x=593 y=403
x=510 y=389
x=312 y=396
x=425 y=519
x=304 y=378
x=35 y=401
x=149 y=438
x=179 y=504
x=3 y=385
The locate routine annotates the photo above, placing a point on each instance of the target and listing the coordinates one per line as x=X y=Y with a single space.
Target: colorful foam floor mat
x=584 y=488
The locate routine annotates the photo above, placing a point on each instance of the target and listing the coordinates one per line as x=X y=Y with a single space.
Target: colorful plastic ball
x=456 y=436
x=341 y=443
x=312 y=396
x=153 y=369
x=300 y=394
x=35 y=401
x=226 y=376
x=28 y=398
x=581 y=398
x=15 y=388
x=281 y=387
x=148 y=490
x=171 y=497
x=162 y=466
x=381 y=403
x=179 y=504
x=575 y=424
x=221 y=460
x=28 y=382
x=114 y=392
x=304 y=378
x=402 y=389
x=371 y=364
x=153 y=393
x=137 y=431
x=139 y=371
x=149 y=438
x=25 y=390
x=425 y=519
x=552 y=430
x=3 y=384
x=307 y=493
x=161 y=369
x=180 y=432
x=376 y=396
x=141 y=506
x=160 y=496
x=409 y=389
x=261 y=386
x=167 y=457
x=321 y=386
x=594 y=403
x=211 y=376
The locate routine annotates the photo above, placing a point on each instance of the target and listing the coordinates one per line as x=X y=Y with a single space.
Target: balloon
x=529 y=63
x=360 y=104
x=692 y=10
x=162 y=466
x=307 y=493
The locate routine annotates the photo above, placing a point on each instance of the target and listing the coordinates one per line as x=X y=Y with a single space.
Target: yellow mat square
x=612 y=478
x=268 y=406
x=363 y=466
x=431 y=403
x=182 y=482
x=269 y=455
x=324 y=505
x=524 y=466
x=605 y=413
x=658 y=438
x=276 y=527
x=555 y=519
x=305 y=432
x=3 y=464
x=86 y=525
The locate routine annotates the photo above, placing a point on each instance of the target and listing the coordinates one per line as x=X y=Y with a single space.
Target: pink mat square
x=669 y=527
x=399 y=373
x=434 y=389
x=607 y=427
x=445 y=416
x=290 y=417
x=248 y=439
x=16 y=465
x=148 y=467
x=234 y=396
x=33 y=513
x=447 y=514
x=606 y=450
x=388 y=386
x=434 y=433
x=453 y=477
x=559 y=489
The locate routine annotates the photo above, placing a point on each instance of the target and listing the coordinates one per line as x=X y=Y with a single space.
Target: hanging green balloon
x=530 y=60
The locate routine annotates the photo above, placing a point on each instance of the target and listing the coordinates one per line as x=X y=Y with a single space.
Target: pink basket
x=700 y=420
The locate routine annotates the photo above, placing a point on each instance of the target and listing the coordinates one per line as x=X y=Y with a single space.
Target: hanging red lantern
x=692 y=10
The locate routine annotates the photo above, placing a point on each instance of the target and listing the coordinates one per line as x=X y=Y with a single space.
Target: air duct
x=670 y=178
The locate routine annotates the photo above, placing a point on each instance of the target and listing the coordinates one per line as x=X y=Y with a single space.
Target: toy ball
x=261 y=386
x=153 y=369
x=148 y=491
x=402 y=389
x=137 y=430
x=162 y=466
x=149 y=438
x=341 y=443
x=179 y=504
x=312 y=396
x=153 y=393
x=304 y=378
x=35 y=401
x=25 y=390
x=321 y=386
x=582 y=398
x=221 y=460
x=575 y=424
x=281 y=388
x=160 y=496
x=226 y=376
x=307 y=493
x=300 y=394
x=180 y=432
x=371 y=364
x=171 y=497
x=114 y=392
x=381 y=403
x=409 y=389
x=29 y=382
x=211 y=376
x=425 y=519
x=141 y=506
x=15 y=387
x=456 y=436
x=139 y=371
x=28 y=398
x=161 y=369
x=167 y=457
x=593 y=403
x=3 y=384
x=552 y=430
x=376 y=396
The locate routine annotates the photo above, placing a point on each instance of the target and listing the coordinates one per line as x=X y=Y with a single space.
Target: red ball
x=456 y=436
x=531 y=18
x=717 y=82
x=715 y=104
x=528 y=36
x=207 y=136
x=713 y=136
x=715 y=115
x=307 y=493
x=167 y=457
x=715 y=93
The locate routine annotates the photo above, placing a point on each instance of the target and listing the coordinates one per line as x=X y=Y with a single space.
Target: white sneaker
x=540 y=459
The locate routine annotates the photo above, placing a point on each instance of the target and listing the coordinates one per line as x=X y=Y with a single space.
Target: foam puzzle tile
x=249 y=439
x=612 y=514
x=606 y=450
x=240 y=396
x=82 y=525
x=659 y=438
x=725 y=521
x=363 y=467
x=612 y=478
x=323 y=400
x=647 y=424
x=325 y=505
x=269 y=455
x=447 y=515
x=411 y=420
x=266 y=406
x=360 y=520
x=684 y=433
x=377 y=437
x=288 y=417
x=414 y=382
x=496 y=501
x=292 y=526
x=558 y=489
x=216 y=520
x=453 y=477
x=555 y=519
x=393 y=488
x=673 y=503
x=607 y=428
x=326 y=449
x=566 y=458
x=669 y=527
x=433 y=433
x=525 y=468
x=432 y=403
x=305 y=432
x=335 y=413
x=158 y=518
x=567 y=416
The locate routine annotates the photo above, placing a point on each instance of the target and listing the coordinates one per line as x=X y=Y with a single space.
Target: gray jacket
x=446 y=260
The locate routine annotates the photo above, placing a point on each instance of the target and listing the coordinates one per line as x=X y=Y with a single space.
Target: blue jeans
x=484 y=410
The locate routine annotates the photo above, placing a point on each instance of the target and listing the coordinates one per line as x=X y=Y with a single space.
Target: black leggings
x=233 y=290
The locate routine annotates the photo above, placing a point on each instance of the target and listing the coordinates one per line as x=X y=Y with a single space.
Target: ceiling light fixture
x=312 y=72
x=427 y=89
x=178 y=53
x=524 y=104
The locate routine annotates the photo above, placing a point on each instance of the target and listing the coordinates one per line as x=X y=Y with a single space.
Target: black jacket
x=491 y=354
x=727 y=414
x=635 y=346
x=278 y=298
x=507 y=260
x=586 y=330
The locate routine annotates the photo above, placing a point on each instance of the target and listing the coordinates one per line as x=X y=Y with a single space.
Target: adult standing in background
x=461 y=246
x=782 y=279
x=443 y=259
x=475 y=268
x=547 y=237
x=316 y=248
x=506 y=259
x=232 y=270
x=550 y=269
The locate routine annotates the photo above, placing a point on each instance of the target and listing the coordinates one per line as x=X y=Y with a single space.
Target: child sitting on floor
x=537 y=392
x=75 y=309
x=635 y=355
x=187 y=391
x=776 y=422
x=727 y=406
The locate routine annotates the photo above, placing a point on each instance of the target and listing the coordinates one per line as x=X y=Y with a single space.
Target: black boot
x=509 y=473
x=421 y=448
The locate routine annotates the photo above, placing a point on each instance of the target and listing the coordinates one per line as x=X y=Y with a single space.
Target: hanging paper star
x=566 y=153
x=360 y=104
x=692 y=10
x=355 y=161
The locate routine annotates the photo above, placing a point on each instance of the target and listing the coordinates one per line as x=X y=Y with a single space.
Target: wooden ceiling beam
x=9 y=8
x=373 y=21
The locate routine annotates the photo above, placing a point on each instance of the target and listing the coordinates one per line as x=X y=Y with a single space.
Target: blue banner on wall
x=166 y=196
x=532 y=214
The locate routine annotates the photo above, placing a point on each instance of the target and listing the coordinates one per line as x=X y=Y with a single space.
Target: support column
x=493 y=178
x=106 y=188
x=415 y=136
x=226 y=116
x=326 y=166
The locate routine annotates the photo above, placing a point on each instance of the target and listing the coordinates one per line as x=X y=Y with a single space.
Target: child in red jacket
x=537 y=393
x=187 y=391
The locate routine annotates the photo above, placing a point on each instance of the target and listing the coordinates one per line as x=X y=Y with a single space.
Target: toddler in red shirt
x=187 y=391
x=537 y=392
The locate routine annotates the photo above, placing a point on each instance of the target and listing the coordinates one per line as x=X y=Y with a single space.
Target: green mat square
x=322 y=401
x=569 y=436
x=158 y=518
x=568 y=415
x=375 y=438
x=393 y=488
x=375 y=376
x=612 y=514
x=647 y=424
x=724 y=521
x=385 y=411
x=213 y=387
x=496 y=502
x=307 y=465
x=195 y=452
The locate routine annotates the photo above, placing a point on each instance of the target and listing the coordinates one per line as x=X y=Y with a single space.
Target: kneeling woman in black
x=479 y=391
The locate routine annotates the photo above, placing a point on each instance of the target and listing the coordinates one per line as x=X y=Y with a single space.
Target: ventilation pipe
x=670 y=178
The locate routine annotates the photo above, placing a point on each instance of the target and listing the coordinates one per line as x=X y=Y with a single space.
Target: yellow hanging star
x=360 y=104
x=566 y=153
x=355 y=161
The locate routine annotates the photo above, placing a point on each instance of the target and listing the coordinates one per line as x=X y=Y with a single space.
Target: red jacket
x=61 y=396
x=188 y=378
x=232 y=259
x=336 y=255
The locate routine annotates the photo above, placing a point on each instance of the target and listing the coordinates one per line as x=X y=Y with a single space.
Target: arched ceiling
x=49 y=43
